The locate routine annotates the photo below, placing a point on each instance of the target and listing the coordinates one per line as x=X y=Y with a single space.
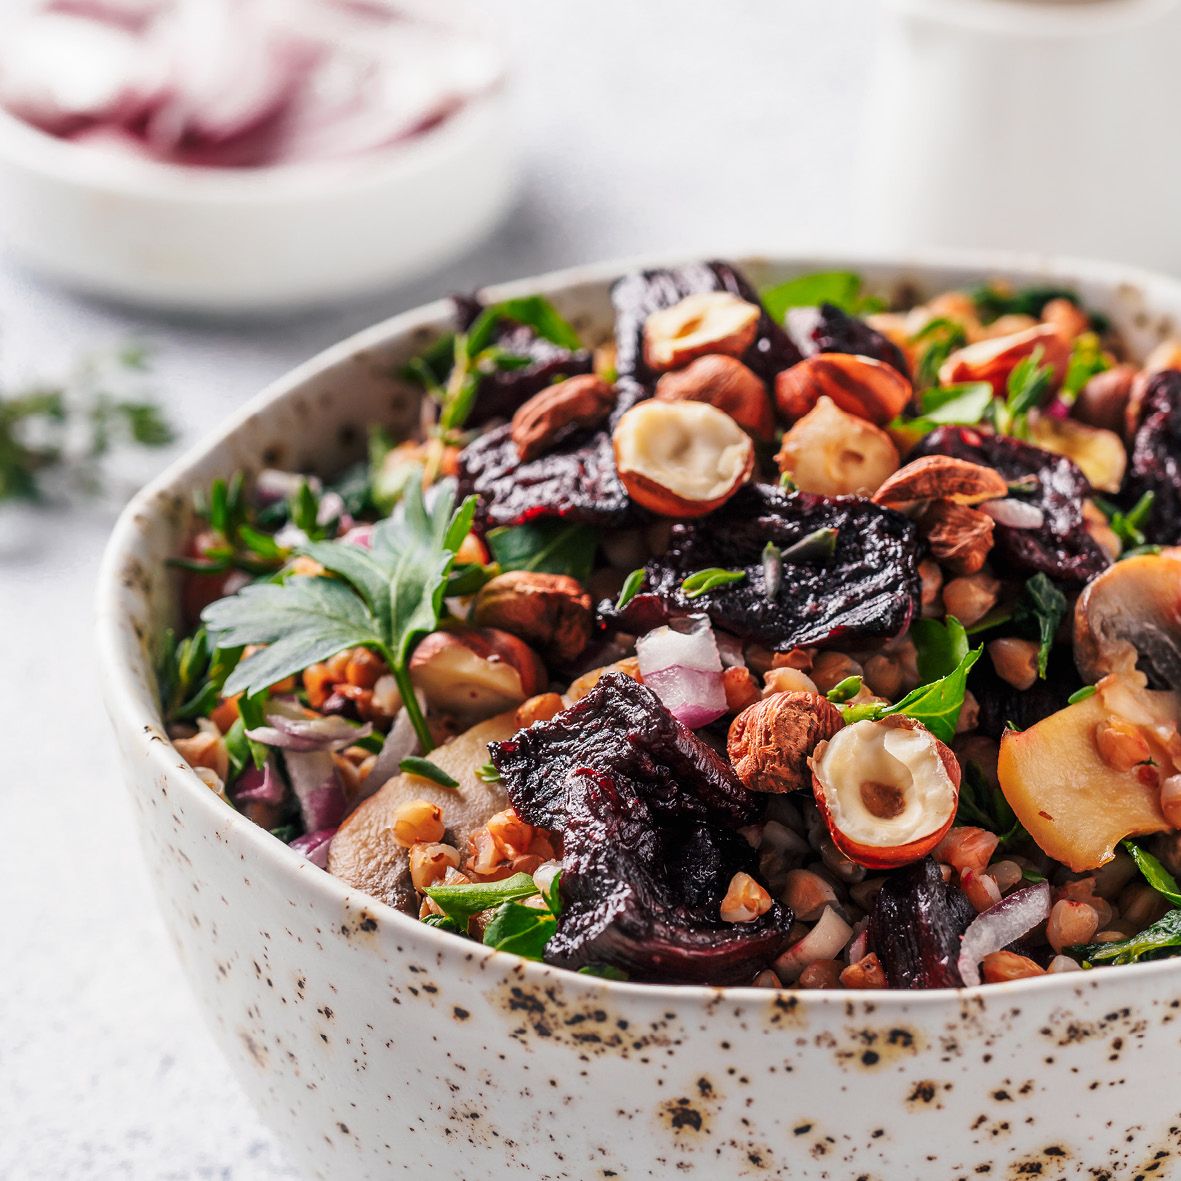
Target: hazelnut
x=745 y=900
x=941 y=477
x=539 y=709
x=1104 y=399
x=581 y=686
x=887 y=789
x=681 y=459
x=860 y=386
x=1166 y=355
x=834 y=453
x=1015 y=660
x=960 y=537
x=550 y=611
x=994 y=359
x=728 y=384
x=971 y=597
x=710 y=322
x=578 y=401
x=476 y=672
x=770 y=741
x=1066 y=318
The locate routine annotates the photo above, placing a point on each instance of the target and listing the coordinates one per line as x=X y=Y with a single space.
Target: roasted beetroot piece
x=503 y=390
x=1156 y=458
x=859 y=583
x=828 y=329
x=621 y=728
x=1060 y=547
x=638 y=295
x=576 y=481
x=916 y=924
x=1001 y=704
x=647 y=900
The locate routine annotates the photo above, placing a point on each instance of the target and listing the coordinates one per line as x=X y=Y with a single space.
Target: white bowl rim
x=117 y=656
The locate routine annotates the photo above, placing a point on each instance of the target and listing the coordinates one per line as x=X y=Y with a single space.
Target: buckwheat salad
x=790 y=638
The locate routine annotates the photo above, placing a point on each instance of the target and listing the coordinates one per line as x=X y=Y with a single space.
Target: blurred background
x=195 y=197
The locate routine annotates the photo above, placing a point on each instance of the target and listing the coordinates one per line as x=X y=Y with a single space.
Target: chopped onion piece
x=998 y=926
x=308 y=733
x=1017 y=514
x=314 y=845
x=317 y=786
x=681 y=665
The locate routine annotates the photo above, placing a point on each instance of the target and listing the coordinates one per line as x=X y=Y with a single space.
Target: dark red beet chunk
x=868 y=588
x=576 y=481
x=502 y=391
x=620 y=726
x=916 y=925
x=638 y=295
x=647 y=813
x=1156 y=458
x=831 y=330
x=1001 y=704
x=1061 y=548
x=646 y=898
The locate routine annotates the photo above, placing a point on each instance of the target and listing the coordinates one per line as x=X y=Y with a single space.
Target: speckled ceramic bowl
x=378 y=1047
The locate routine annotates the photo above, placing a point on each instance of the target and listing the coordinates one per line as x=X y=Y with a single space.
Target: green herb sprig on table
x=385 y=599
x=66 y=431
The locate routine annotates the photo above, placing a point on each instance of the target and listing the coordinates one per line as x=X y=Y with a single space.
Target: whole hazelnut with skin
x=770 y=741
x=550 y=611
x=724 y=382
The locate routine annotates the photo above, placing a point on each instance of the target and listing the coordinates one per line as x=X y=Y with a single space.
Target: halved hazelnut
x=887 y=790
x=550 y=611
x=1131 y=614
x=770 y=741
x=861 y=386
x=476 y=672
x=728 y=384
x=681 y=459
x=834 y=453
x=941 y=477
x=1099 y=453
x=994 y=359
x=709 y=322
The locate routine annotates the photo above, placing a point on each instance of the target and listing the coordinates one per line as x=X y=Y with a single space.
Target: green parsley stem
x=401 y=675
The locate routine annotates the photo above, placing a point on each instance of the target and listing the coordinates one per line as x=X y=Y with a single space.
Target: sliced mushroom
x=364 y=852
x=1129 y=617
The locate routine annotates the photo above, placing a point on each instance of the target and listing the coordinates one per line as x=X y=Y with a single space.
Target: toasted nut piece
x=960 y=537
x=740 y=688
x=770 y=741
x=821 y=974
x=865 y=973
x=581 y=686
x=1166 y=355
x=476 y=672
x=941 y=477
x=429 y=863
x=578 y=401
x=999 y=966
x=1132 y=613
x=807 y=894
x=830 y=668
x=931 y=578
x=887 y=790
x=681 y=459
x=971 y=597
x=710 y=322
x=785 y=679
x=206 y=748
x=834 y=453
x=1103 y=401
x=965 y=847
x=745 y=900
x=861 y=386
x=418 y=821
x=728 y=384
x=551 y=611
x=539 y=709
x=1066 y=318
x=1015 y=660
x=1121 y=745
x=994 y=359
x=1170 y=799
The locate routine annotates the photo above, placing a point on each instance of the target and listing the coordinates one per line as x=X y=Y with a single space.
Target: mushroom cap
x=1129 y=617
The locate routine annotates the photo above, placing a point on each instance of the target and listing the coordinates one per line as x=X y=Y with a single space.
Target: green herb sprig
x=703 y=581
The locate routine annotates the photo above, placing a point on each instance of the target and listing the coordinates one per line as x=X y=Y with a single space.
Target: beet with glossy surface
x=868 y=588
x=831 y=330
x=916 y=924
x=1060 y=547
x=575 y=481
x=1155 y=461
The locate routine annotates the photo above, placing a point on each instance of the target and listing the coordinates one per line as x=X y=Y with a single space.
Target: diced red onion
x=314 y=845
x=998 y=926
x=801 y=323
x=360 y=535
x=317 y=787
x=400 y=742
x=260 y=787
x=681 y=665
x=1059 y=408
x=731 y=649
x=1017 y=514
x=309 y=734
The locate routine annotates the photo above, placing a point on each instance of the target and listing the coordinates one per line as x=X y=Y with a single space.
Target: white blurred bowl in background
x=228 y=240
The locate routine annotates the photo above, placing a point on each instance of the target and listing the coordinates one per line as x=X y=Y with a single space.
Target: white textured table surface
x=646 y=125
